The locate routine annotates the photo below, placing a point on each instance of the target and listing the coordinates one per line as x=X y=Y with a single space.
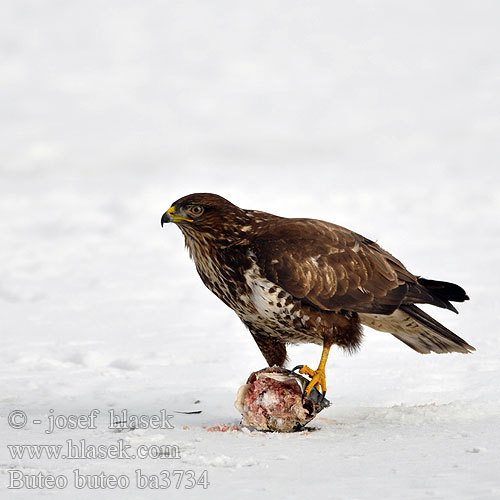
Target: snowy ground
x=382 y=117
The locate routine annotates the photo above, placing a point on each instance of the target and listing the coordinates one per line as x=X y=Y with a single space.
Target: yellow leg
x=318 y=378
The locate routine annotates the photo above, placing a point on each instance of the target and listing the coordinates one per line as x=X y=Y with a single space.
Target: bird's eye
x=196 y=210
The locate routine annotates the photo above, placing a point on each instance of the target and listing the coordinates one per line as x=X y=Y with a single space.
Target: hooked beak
x=169 y=216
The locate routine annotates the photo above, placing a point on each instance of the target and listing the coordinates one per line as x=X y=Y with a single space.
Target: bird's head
x=206 y=214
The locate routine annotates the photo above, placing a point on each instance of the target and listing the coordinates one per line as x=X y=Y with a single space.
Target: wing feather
x=331 y=267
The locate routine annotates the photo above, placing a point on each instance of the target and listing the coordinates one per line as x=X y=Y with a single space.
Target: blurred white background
x=380 y=116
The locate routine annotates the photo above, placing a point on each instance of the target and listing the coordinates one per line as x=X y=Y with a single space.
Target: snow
x=382 y=117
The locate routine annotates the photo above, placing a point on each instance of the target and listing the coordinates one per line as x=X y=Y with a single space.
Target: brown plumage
x=306 y=280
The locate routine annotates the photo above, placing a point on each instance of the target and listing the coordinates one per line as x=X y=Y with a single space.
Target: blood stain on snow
x=223 y=428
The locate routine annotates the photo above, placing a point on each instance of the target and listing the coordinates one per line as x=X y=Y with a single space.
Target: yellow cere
x=175 y=218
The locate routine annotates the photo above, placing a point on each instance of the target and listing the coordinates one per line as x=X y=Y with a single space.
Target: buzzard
x=306 y=280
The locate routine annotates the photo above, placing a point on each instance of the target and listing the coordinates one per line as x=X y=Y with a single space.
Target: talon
x=305 y=370
x=297 y=367
x=318 y=380
x=318 y=377
x=323 y=397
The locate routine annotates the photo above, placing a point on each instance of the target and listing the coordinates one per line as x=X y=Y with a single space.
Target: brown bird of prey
x=305 y=280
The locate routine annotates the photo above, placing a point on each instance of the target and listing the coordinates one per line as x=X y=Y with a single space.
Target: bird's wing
x=331 y=267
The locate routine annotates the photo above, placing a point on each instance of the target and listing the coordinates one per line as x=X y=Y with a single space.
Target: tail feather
x=418 y=330
x=444 y=290
x=435 y=336
x=437 y=293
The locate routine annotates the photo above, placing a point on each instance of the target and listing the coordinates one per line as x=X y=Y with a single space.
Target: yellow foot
x=318 y=380
x=318 y=377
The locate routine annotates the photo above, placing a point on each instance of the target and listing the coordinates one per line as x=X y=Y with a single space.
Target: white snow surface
x=380 y=116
